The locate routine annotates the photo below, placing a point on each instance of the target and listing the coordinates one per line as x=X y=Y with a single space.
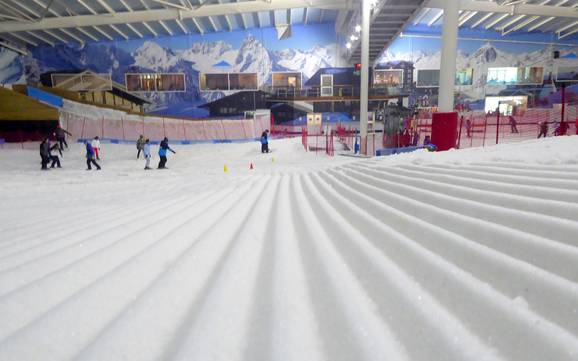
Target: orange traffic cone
x=251 y=166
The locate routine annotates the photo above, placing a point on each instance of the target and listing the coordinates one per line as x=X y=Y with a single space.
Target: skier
x=140 y=145
x=543 y=129
x=90 y=156
x=46 y=154
x=96 y=146
x=147 y=154
x=265 y=141
x=164 y=146
x=513 y=124
x=61 y=136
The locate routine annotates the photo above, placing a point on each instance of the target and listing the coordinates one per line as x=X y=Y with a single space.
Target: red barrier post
x=460 y=132
x=498 y=126
x=485 y=129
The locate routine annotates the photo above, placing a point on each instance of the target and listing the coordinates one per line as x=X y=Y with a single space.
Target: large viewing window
x=465 y=77
x=214 y=81
x=428 y=78
x=226 y=81
x=155 y=82
x=243 y=81
x=567 y=73
x=508 y=105
x=388 y=78
x=515 y=76
x=289 y=80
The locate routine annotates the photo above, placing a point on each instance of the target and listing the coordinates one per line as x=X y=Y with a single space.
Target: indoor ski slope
x=462 y=255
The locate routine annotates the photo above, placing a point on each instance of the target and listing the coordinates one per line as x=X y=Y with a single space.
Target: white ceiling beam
x=26 y=8
x=168 y=14
x=243 y=24
x=198 y=26
x=519 y=9
x=13 y=48
x=56 y=36
x=466 y=17
x=105 y=5
x=85 y=32
x=482 y=19
x=87 y=7
x=16 y=11
x=170 y=4
x=572 y=24
x=182 y=26
x=167 y=29
x=104 y=33
x=340 y=27
x=134 y=30
x=518 y=18
x=26 y=40
x=321 y=15
x=495 y=21
x=289 y=16
x=562 y=36
x=436 y=18
x=115 y=28
x=421 y=16
x=65 y=31
x=150 y=28
x=213 y=25
x=305 y=15
x=42 y=38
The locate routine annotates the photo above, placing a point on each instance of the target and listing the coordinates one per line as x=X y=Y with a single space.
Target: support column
x=364 y=86
x=449 y=54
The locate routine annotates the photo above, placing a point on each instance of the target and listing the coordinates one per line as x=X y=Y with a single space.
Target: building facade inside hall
x=225 y=74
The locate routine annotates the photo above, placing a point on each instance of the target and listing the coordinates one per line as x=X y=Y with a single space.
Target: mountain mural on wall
x=247 y=54
x=11 y=67
x=484 y=57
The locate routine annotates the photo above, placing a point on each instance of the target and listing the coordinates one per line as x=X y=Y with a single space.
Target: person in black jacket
x=164 y=146
x=61 y=136
x=46 y=154
x=265 y=141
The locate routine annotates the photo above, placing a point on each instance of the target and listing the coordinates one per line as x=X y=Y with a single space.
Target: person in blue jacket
x=147 y=154
x=90 y=156
x=265 y=141
x=164 y=146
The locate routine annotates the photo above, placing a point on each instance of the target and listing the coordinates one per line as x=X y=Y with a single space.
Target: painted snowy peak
x=251 y=56
x=11 y=67
x=153 y=56
x=485 y=55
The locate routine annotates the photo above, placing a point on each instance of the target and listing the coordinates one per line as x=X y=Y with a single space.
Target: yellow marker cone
x=273 y=160
x=225 y=169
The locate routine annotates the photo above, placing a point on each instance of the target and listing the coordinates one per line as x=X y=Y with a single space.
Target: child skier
x=164 y=146
x=265 y=142
x=96 y=146
x=90 y=156
x=147 y=154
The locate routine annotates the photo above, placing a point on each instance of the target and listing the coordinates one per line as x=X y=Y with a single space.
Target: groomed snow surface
x=462 y=255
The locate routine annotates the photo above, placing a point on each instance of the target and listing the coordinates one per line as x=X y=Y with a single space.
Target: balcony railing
x=288 y=93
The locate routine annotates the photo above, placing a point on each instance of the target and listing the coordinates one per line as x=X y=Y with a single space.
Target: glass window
x=515 y=76
x=567 y=73
x=428 y=78
x=243 y=81
x=388 y=78
x=290 y=80
x=465 y=77
x=214 y=82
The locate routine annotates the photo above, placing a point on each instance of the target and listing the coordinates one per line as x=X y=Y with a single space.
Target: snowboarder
x=90 y=156
x=139 y=145
x=164 y=146
x=61 y=136
x=147 y=154
x=265 y=141
x=543 y=129
x=513 y=124
x=96 y=146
